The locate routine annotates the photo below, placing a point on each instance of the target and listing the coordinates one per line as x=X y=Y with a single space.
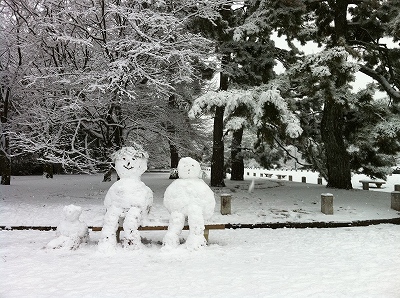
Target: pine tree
x=357 y=28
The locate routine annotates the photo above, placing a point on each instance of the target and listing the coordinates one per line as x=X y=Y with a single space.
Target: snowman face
x=128 y=166
x=188 y=168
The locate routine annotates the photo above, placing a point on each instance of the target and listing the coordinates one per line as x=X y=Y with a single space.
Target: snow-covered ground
x=336 y=262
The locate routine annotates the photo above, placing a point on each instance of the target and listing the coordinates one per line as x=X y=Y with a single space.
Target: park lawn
x=335 y=262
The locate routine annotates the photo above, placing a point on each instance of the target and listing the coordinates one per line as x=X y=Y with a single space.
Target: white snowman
x=71 y=231
x=188 y=197
x=128 y=199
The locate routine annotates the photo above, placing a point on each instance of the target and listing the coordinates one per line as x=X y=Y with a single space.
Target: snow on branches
x=273 y=96
x=254 y=101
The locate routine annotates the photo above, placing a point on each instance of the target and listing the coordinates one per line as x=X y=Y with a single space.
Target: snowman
x=71 y=231
x=188 y=197
x=128 y=199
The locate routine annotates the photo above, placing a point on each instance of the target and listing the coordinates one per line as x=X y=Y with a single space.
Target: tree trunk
x=107 y=175
x=332 y=124
x=5 y=161
x=5 y=169
x=217 y=160
x=237 y=164
x=48 y=170
x=337 y=158
x=174 y=161
x=173 y=174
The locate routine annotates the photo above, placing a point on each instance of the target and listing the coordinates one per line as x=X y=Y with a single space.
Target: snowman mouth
x=128 y=168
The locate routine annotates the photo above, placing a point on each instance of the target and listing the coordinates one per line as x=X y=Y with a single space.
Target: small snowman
x=188 y=197
x=71 y=231
x=128 y=199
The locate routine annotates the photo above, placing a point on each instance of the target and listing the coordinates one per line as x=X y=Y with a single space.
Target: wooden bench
x=207 y=229
x=365 y=183
x=280 y=176
x=268 y=175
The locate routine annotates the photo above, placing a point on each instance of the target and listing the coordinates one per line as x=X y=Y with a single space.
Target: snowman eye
x=123 y=158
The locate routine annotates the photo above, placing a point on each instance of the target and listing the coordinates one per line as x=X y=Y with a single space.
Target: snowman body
x=188 y=197
x=71 y=231
x=128 y=199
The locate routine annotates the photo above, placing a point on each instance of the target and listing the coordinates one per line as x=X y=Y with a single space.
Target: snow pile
x=188 y=197
x=71 y=231
x=128 y=198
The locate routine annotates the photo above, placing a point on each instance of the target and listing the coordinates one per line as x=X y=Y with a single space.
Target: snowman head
x=72 y=212
x=130 y=162
x=188 y=168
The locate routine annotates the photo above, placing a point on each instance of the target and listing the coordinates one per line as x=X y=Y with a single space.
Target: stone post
x=395 y=203
x=327 y=203
x=319 y=180
x=290 y=178
x=226 y=204
x=397 y=187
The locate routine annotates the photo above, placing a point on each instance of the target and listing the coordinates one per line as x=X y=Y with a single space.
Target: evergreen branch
x=382 y=81
x=288 y=153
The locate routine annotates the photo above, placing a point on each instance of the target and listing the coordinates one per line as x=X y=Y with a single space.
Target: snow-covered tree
x=247 y=58
x=267 y=110
x=12 y=71
x=359 y=28
x=100 y=73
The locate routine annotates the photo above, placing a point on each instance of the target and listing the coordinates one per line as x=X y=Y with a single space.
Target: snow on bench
x=365 y=183
x=207 y=229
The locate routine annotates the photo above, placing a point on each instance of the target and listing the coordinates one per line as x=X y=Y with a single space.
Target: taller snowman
x=128 y=198
x=188 y=197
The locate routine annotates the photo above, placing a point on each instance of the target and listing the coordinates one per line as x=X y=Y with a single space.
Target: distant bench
x=266 y=175
x=366 y=183
x=207 y=229
x=280 y=176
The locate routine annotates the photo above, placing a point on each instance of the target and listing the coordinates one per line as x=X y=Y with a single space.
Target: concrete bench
x=207 y=229
x=366 y=183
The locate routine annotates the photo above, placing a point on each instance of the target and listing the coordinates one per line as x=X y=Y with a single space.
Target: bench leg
x=118 y=236
x=365 y=185
x=206 y=233
x=378 y=185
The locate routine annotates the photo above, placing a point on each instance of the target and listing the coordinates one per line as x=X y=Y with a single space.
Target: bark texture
x=237 y=163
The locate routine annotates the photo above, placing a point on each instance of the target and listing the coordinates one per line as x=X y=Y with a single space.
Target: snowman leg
x=176 y=223
x=131 y=224
x=57 y=243
x=196 y=228
x=110 y=226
